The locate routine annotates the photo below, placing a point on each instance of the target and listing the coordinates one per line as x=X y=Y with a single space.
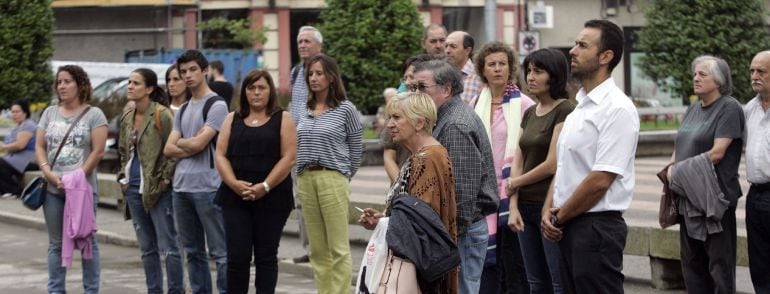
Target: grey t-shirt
x=77 y=147
x=194 y=174
x=701 y=125
x=20 y=159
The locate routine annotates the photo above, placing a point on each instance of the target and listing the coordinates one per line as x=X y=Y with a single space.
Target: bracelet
x=43 y=164
x=267 y=187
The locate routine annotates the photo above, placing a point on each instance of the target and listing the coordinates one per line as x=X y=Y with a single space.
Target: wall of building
x=106 y=33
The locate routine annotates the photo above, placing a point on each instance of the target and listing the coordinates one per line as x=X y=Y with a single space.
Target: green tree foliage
x=679 y=31
x=25 y=47
x=226 y=33
x=370 y=39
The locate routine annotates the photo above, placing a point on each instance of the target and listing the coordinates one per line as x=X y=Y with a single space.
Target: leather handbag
x=668 y=211
x=399 y=276
x=33 y=195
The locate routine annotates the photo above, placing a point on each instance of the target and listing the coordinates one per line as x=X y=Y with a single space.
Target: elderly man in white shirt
x=758 y=173
x=594 y=180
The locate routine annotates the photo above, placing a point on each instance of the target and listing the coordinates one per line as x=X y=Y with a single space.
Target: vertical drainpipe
x=200 y=19
x=490 y=12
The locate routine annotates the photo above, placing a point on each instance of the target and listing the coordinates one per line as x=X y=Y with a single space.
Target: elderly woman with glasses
x=427 y=173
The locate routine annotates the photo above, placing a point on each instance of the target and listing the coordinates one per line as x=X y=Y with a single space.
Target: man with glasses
x=434 y=40
x=462 y=133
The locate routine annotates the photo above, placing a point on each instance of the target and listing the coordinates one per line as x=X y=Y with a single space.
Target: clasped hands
x=248 y=191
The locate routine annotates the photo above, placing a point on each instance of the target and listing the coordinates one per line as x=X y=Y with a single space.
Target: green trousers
x=325 y=199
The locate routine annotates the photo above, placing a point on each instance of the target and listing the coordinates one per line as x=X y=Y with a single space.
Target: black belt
x=761 y=187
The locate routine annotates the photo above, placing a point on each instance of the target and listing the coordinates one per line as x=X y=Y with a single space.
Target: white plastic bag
x=375 y=258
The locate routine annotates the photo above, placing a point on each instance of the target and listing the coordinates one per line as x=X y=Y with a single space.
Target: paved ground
x=23 y=250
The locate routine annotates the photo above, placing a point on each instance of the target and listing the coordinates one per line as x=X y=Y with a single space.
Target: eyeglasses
x=419 y=87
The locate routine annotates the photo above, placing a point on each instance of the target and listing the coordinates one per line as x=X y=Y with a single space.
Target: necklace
x=254 y=122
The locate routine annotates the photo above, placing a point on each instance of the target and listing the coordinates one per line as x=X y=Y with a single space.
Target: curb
x=36 y=223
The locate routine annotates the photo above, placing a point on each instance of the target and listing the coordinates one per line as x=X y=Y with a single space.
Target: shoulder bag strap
x=67 y=134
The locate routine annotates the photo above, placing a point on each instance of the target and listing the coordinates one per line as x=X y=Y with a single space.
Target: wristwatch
x=267 y=187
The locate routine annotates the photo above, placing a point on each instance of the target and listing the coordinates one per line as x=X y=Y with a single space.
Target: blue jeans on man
x=53 y=211
x=473 y=250
x=541 y=257
x=199 y=220
x=156 y=235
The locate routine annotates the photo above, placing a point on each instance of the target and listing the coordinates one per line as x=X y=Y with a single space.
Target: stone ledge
x=651 y=143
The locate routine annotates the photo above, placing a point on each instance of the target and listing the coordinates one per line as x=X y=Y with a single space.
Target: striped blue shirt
x=332 y=140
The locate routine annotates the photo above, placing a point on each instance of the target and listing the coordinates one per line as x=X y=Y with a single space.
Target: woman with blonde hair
x=426 y=174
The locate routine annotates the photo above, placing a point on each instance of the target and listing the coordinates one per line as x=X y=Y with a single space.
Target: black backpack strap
x=208 y=104
x=213 y=142
x=295 y=73
x=181 y=113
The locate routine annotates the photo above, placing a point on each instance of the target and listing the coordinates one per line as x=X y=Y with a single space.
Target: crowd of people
x=529 y=188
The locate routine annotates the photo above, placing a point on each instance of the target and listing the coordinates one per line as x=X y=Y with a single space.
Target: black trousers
x=508 y=275
x=592 y=253
x=248 y=231
x=9 y=179
x=758 y=237
x=709 y=266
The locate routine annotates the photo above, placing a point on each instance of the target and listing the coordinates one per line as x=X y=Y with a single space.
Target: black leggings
x=9 y=179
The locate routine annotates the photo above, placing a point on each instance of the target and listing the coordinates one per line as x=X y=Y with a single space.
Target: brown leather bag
x=668 y=211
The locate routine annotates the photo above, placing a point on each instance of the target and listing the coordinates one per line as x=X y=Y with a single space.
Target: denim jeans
x=541 y=257
x=53 y=211
x=156 y=234
x=473 y=250
x=758 y=237
x=198 y=221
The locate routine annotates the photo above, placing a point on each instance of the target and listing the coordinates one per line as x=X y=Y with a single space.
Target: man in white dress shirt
x=594 y=180
x=758 y=173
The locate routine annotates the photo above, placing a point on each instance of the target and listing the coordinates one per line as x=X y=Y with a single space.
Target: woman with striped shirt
x=328 y=155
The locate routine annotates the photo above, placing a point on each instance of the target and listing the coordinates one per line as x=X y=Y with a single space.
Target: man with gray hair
x=462 y=133
x=434 y=40
x=758 y=173
x=309 y=43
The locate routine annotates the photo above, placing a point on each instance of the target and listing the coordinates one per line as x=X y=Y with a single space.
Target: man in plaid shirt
x=459 y=49
x=462 y=133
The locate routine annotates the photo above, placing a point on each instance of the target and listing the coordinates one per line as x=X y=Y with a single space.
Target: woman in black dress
x=256 y=193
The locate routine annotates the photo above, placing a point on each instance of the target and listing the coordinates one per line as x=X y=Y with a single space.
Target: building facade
x=105 y=30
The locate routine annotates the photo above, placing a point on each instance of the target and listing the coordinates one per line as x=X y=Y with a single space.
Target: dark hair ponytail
x=151 y=80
